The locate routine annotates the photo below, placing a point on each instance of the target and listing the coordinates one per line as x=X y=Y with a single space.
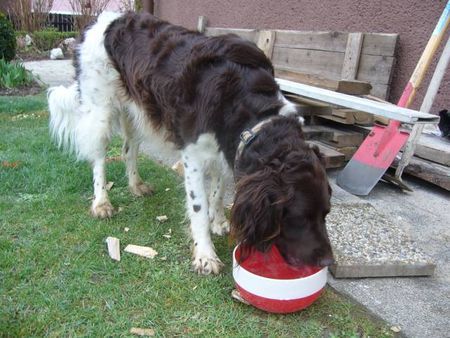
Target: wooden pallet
x=367 y=57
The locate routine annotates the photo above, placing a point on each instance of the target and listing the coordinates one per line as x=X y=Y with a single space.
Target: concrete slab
x=52 y=72
x=366 y=244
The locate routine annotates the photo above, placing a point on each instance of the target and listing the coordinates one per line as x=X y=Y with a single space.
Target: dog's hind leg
x=93 y=135
x=130 y=151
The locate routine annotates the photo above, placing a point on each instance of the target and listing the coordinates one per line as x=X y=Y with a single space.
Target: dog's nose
x=326 y=261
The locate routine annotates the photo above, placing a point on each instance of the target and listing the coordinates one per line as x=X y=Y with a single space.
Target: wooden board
x=351 y=87
x=325 y=41
x=249 y=34
x=333 y=159
x=433 y=148
x=352 y=56
x=335 y=137
x=378 y=108
x=349 y=117
x=266 y=41
x=428 y=171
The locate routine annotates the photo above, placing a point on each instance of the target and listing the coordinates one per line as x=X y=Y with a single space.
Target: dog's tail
x=64 y=104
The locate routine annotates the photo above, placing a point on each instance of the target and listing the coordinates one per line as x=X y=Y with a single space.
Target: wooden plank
x=350 y=116
x=375 y=69
x=315 y=132
x=323 y=63
x=428 y=171
x=249 y=34
x=433 y=148
x=333 y=159
x=265 y=42
x=372 y=69
x=321 y=41
x=113 y=245
x=380 y=90
x=379 y=44
x=336 y=137
x=352 y=55
x=201 y=24
x=342 y=86
x=378 y=108
x=354 y=87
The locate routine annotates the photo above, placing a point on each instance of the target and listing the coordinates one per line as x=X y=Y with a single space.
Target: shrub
x=13 y=75
x=50 y=38
x=7 y=39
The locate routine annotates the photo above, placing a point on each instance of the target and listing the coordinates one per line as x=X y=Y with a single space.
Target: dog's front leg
x=101 y=206
x=205 y=260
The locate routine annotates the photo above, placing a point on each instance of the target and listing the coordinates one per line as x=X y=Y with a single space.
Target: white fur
x=84 y=116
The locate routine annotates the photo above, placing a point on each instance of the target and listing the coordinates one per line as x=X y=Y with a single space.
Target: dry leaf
x=113 y=244
x=7 y=164
x=143 y=251
x=113 y=159
x=142 y=332
x=109 y=186
x=162 y=218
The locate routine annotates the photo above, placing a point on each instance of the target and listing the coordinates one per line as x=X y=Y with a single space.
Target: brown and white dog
x=152 y=80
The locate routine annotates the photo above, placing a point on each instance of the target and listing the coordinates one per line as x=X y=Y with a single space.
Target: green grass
x=56 y=278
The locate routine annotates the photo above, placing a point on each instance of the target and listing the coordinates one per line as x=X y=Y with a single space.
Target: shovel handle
x=427 y=56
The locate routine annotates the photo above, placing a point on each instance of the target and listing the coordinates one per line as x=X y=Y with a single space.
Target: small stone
x=162 y=218
x=396 y=328
x=142 y=332
x=56 y=53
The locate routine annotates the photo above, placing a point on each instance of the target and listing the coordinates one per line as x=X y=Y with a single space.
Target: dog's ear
x=257 y=210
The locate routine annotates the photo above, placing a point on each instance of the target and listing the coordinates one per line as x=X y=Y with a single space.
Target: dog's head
x=283 y=198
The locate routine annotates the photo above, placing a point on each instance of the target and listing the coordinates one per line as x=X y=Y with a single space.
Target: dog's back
x=188 y=83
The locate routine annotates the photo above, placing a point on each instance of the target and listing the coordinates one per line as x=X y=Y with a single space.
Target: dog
x=215 y=99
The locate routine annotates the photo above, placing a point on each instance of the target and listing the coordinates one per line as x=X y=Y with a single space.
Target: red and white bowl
x=267 y=282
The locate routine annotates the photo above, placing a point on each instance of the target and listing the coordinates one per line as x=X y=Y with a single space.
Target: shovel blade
x=369 y=163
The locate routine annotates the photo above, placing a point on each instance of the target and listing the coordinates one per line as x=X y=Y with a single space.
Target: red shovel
x=378 y=151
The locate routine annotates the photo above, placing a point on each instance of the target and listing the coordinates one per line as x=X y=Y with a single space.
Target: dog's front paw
x=205 y=265
x=102 y=210
x=141 y=189
x=220 y=227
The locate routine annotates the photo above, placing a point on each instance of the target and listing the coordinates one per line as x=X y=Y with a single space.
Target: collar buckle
x=247 y=136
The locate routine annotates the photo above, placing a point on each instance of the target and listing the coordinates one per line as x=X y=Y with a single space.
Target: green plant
x=7 y=39
x=14 y=75
x=49 y=38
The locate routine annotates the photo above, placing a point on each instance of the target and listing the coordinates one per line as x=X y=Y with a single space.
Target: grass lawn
x=56 y=278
